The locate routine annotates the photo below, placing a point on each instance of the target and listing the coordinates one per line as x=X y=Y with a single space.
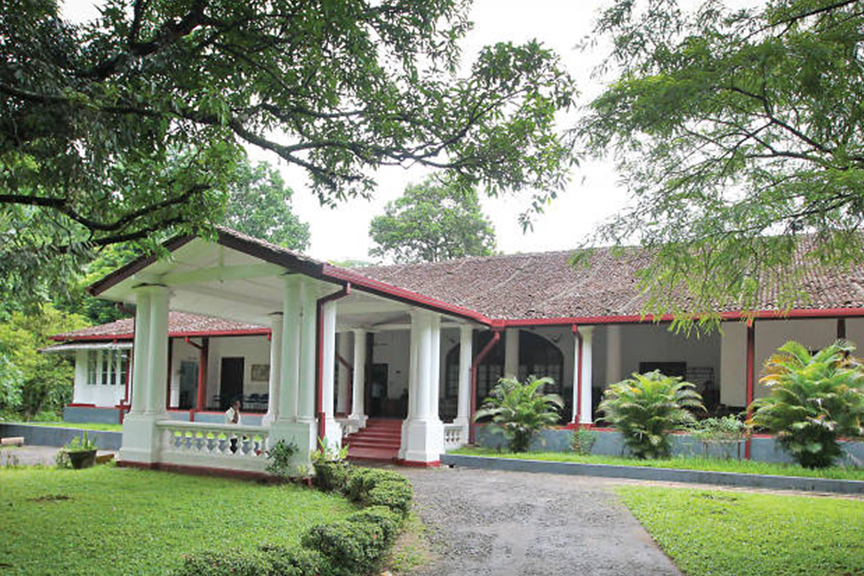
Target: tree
x=646 y=408
x=432 y=221
x=119 y=128
x=521 y=410
x=45 y=379
x=259 y=205
x=741 y=140
x=814 y=400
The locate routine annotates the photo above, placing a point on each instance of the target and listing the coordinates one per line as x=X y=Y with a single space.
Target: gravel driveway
x=512 y=523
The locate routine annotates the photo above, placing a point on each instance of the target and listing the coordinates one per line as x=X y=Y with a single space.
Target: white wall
x=393 y=347
x=99 y=394
x=254 y=350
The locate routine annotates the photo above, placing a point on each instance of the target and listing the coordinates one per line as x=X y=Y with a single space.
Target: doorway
x=231 y=381
x=188 y=384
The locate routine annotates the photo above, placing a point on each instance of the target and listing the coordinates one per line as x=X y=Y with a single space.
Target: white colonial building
x=395 y=359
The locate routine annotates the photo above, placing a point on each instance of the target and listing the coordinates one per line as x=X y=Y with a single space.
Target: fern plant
x=646 y=408
x=521 y=410
x=814 y=400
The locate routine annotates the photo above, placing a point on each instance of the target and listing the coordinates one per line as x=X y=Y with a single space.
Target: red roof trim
x=194 y=334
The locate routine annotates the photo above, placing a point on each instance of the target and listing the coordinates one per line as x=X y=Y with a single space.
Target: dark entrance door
x=188 y=384
x=376 y=391
x=230 y=382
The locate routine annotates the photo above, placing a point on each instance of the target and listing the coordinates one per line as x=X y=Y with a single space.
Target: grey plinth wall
x=35 y=435
x=609 y=443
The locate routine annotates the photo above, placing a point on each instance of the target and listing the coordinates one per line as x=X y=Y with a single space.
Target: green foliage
x=521 y=410
x=677 y=463
x=393 y=494
x=382 y=516
x=45 y=380
x=432 y=221
x=646 y=408
x=351 y=548
x=361 y=481
x=708 y=533
x=583 y=440
x=176 y=515
x=730 y=125
x=331 y=469
x=134 y=123
x=266 y=561
x=259 y=204
x=814 y=399
x=11 y=383
x=723 y=433
x=80 y=444
x=280 y=459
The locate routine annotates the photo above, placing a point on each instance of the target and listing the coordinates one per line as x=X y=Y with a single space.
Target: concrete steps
x=378 y=441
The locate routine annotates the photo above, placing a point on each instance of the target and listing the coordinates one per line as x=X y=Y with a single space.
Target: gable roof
x=180 y=324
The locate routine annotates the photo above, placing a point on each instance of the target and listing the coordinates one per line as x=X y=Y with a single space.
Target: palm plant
x=814 y=400
x=646 y=408
x=521 y=410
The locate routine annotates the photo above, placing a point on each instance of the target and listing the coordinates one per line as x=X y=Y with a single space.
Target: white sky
x=593 y=194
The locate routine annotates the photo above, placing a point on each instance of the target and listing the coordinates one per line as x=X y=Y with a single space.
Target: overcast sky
x=593 y=194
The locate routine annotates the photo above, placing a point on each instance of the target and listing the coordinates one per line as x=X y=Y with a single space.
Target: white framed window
x=124 y=366
x=105 y=356
x=114 y=367
x=92 y=367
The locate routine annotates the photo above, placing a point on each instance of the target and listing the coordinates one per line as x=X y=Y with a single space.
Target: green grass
x=82 y=425
x=721 y=533
x=678 y=463
x=120 y=521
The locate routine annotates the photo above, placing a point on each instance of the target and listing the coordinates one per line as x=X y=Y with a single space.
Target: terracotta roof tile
x=179 y=324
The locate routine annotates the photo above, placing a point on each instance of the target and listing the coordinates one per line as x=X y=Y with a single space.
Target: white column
x=289 y=357
x=139 y=351
x=435 y=368
x=587 y=372
x=511 y=353
x=466 y=342
x=358 y=408
x=308 y=350
x=332 y=429
x=342 y=372
x=157 y=360
x=613 y=353
x=422 y=431
x=275 y=370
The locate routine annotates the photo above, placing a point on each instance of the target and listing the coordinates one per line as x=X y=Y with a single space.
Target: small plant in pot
x=81 y=452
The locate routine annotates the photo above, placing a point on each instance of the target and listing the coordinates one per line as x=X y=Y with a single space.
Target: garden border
x=657 y=474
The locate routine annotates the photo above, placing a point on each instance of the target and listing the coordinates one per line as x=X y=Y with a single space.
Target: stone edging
x=658 y=474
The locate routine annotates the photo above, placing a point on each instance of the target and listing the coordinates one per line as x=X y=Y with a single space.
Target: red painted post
x=751 y=369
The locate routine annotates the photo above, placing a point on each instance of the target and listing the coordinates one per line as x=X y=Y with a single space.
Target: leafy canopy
x=115 y=129
x=646 y=408
x=814 y=399
x=521 y=410
x=735 y=133
x=430 y=222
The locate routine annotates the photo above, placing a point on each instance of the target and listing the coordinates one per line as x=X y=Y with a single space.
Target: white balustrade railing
x=217 y=445
x=455 y=435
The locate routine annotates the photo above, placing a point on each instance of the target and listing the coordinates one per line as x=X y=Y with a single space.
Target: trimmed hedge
x=352 y=547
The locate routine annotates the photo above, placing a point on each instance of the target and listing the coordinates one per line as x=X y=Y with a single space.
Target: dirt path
x=512 y=523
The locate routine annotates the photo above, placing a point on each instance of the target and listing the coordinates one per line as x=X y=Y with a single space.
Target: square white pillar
x=511 y=353
x=358 y=391
x=422 y=431
x=332 y=429
x=342 y=373
x=139 y=352
x=466 y=342
x=586 y=416
x=274 y=383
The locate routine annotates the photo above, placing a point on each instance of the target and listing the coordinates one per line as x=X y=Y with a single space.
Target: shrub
x=394 y=495
x=521 y=410
x=723 y=433
x=646 y=408
x=362 y=480
x=296 y=561
x=383 y=517
x=331 y=469
x=225 y=564
x=814 y=399
x=583 y=441
x=279 y=459
x=351 y=548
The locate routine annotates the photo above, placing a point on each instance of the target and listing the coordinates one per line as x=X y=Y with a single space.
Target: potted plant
x=81 y=452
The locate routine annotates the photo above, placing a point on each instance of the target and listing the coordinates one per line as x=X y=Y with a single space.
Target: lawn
x=82 y=425
x=722 y=533
x=120 y=521
x=678 y=463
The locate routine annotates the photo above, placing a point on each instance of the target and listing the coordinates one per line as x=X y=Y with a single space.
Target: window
x=124 y=366
x=92 y=366
x=106 y=366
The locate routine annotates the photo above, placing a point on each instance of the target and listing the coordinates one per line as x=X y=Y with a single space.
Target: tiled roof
x=179 y=324
x=545 y=285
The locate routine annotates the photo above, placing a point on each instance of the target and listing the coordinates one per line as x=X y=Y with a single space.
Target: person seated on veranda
x=232 y=415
